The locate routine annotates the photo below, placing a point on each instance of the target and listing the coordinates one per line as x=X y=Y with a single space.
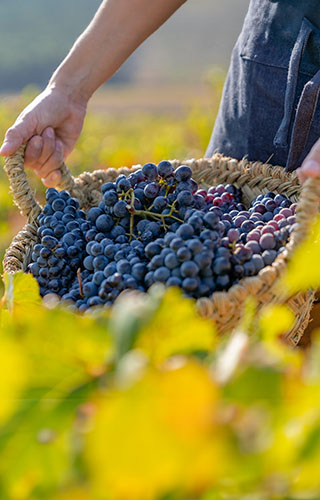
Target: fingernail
x=49 y=133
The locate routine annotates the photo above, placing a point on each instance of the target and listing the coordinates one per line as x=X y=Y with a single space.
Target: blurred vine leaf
x=303 y=271
x=176 y=328
x=157 y=434
x=21 y=292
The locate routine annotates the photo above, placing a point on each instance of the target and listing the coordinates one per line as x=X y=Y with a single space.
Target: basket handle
x=307 y=210
x=21 y=189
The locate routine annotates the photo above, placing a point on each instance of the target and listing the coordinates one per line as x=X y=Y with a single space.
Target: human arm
x=53 y=122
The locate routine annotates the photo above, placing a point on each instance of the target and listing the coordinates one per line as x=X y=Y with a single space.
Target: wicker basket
x=225 y=308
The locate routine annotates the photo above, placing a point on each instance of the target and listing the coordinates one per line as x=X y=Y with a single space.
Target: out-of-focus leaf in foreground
x=303 y=268
x=50 y=359
x=176 y=328
x=21 y=291
x=156 y=436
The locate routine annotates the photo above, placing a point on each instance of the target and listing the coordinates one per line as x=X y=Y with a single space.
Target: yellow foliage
x=22 y=291
x=276 y=320
x=14 y=375
x=303 y=269
x=156 y=436
x=176 y=328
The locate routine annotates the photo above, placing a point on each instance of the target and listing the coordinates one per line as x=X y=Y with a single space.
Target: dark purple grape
x=94 y=213
x=171 y=261
x=152 y=249
x=184 y=254
x=160 y=203
x=221 y=265
x=183 y=173
x=223 y=282
x=185 y=198
x=173 y=281
x=240 y=219
x=249 y=268
x=189 y=269
x=138 y=271
x=165 y=169
x=162 y=274
x=120 y=209
x=195 y=246
x=90 y=289
x=253 y=246
x=190 y=284
x=150 y=171
x=149 y=279
x=123 y=266
x=247 y=226
x=203 y=260
x=196 y=221
x=151 y=190
x=258 y=262
x=268 y=257
x=123 y=184
x=211 y=220
x=110 y=198
x=58 y=204
x=185 y=231
x=267 y=241
x=233 y=235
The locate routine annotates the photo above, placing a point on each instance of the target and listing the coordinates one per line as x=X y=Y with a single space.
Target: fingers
x=51 y=175
x=32 y=155
x=39 y=149
x=15 y=137
x=44 y=154
x=311 y=165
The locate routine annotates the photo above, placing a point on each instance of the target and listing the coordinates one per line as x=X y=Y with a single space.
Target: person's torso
x=262 y=76
x=271 y=28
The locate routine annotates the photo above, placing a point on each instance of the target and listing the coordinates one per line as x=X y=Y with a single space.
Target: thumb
x=16 y=135
x=311 y=165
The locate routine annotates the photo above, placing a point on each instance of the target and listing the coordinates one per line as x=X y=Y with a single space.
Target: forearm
x=117 y=29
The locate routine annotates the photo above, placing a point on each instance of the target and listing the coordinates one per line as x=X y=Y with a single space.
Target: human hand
x=311 y=165
x=51 y=125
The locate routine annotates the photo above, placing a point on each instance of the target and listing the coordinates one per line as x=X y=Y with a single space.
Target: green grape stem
x=147 y=213
x=153 y=214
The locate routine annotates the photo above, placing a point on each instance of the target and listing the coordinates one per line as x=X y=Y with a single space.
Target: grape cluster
x=156 y=226
x=61 y=249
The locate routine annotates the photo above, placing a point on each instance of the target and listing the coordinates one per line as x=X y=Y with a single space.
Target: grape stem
x=133 y=211
x=131 y=214
x=154 y=215
x=80 y=282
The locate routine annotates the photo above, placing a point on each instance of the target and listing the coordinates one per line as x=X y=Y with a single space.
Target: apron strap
x=282 y=136
x=304 y=116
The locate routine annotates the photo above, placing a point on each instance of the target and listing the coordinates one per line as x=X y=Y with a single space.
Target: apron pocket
x=278 y=85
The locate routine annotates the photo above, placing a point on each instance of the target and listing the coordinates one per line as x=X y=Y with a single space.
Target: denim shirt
x=276 y=55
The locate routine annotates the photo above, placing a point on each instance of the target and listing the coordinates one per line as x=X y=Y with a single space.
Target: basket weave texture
x=254 y=178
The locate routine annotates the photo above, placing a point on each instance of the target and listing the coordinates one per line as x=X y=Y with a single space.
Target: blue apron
x=269 y=108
